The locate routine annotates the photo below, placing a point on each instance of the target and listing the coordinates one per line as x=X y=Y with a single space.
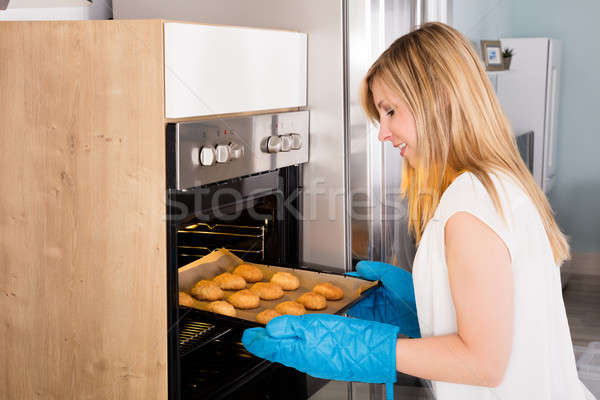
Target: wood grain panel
x=82 y=235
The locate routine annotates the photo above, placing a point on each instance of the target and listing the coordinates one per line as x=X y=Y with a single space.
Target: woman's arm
x=481 y=282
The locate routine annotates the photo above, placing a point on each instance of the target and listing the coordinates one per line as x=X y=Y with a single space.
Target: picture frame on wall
x=491 y=51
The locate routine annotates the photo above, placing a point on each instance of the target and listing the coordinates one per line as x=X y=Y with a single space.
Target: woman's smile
x=402 y=147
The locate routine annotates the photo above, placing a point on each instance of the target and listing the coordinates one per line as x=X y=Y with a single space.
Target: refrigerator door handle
x=551 y=131
x=552 y=117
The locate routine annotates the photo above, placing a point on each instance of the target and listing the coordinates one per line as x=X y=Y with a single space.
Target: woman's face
x=396 y=122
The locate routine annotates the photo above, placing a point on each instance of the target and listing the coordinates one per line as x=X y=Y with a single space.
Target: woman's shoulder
x=463 y=183
x=466 y=189
x=468 y=193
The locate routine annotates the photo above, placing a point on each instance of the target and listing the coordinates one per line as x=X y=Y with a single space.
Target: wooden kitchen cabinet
x=82 y=237
x=83 y=292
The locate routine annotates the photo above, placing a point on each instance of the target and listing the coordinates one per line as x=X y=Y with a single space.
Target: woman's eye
x=390 y=113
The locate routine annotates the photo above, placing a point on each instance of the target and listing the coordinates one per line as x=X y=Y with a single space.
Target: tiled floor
x=582 y=303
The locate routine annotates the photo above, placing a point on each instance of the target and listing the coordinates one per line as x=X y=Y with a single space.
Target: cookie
x=286 y=280
x=222 y=307
x=290 y=308
x=244 y=299
x=267 y=290
x=228 y=281
x=329 y=291
x=265 y=316
x=185 y=299
x=312 y=301
x=249 y=272
x=207 y=290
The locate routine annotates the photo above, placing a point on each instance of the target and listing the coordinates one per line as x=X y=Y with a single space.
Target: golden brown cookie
x=265 y=316
x=185 y=299
x=267 y=290
x=312 y=301
x=290 y=308
x=244 y=299
x=329 y=290
x=222 y=307
x=228 y=281
x=249 y=272
x=207 y=290
x=286 y=280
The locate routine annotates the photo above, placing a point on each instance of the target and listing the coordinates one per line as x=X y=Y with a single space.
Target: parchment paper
x=222 y=260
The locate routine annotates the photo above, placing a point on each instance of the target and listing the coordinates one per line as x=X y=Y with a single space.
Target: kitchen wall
x=481 y=19
x=576 y=197
x=576 y=194
x=100 y=9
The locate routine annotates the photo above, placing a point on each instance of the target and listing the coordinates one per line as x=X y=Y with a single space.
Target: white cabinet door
x=212 y=70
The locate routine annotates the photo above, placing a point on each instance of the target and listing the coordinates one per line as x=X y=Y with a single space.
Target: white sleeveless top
x=542 y=363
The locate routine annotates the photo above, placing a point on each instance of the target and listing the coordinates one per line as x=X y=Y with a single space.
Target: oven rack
x=224 y=229
x=194 y=334
x=210 y=250
x=240 y=239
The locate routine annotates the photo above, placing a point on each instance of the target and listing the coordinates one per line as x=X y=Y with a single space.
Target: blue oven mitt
x=392 y=303
x=329 y=347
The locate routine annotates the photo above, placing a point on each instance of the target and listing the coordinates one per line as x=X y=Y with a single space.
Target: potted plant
x=507 y=57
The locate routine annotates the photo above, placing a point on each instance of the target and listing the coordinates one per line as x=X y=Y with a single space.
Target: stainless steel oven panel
x=218 y=149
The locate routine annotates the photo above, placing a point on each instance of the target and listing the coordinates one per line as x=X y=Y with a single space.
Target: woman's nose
x=384 y=134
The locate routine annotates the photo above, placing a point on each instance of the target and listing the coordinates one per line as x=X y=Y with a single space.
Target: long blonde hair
x=459 y=122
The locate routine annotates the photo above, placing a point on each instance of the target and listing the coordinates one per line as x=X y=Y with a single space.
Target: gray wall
x=576 y=197
x=576 y=194
x=481 y=19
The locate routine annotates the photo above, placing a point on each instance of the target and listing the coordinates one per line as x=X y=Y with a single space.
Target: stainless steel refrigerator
x=528 y=93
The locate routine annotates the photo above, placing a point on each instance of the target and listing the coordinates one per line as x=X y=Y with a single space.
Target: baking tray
x=222 y=260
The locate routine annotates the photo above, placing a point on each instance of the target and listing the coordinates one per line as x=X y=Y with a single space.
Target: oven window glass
x=249 y=233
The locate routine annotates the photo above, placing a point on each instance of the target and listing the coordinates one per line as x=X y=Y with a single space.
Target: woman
x=486 y=274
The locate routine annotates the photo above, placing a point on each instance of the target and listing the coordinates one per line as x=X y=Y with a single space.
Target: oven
x=233 y=183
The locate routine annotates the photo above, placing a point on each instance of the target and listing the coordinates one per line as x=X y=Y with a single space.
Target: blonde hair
x=459 y=122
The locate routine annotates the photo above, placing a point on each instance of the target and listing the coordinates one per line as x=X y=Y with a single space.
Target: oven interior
x=258 y=224
x=250 y=233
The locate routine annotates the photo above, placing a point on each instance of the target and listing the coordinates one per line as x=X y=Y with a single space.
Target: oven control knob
x=222 y=151
x=207 y=156
x=272 y=144
x=286 y=143
x=296 y=141
x=236 y=151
